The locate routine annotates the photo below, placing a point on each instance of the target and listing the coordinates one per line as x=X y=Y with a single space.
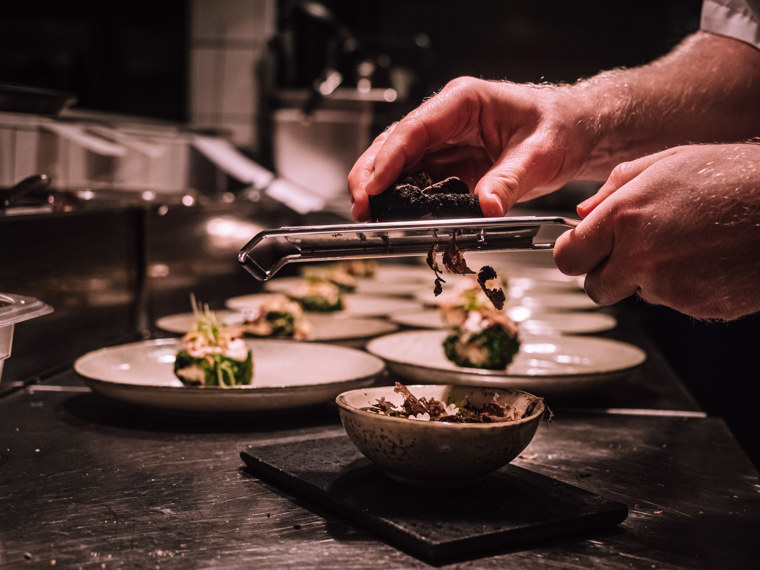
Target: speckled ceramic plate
x=287 y=375
x=544 y=363
x=324 y=327
x=356 y=305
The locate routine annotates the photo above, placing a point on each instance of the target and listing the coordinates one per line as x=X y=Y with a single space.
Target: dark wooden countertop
x=88 y=482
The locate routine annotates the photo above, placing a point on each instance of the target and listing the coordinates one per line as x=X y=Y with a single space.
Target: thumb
x=507 y=181
x=497 y=193
x=527 y=169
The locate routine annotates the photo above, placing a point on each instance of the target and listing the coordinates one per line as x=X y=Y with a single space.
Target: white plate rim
x=385 y=304
x=373 y=326
x=604 y=321
x=479 y=372
x=212 y=399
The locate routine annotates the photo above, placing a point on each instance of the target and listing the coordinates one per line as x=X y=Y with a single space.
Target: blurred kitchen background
x=300 y=86
x=170 y=132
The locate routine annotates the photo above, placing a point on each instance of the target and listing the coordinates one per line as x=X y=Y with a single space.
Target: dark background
x=127 y=57
x=132 y=57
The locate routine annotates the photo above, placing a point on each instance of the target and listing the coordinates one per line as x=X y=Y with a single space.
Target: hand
x=679 y=228
x=506 y=141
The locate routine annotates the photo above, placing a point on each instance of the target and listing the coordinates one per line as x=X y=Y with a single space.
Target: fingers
x=444 y=120
x=527 y=166
x=396 y=150
x=620 y=176
x=469 y=119
x=601 y=245
x=589 y=249
x=609 y=283
x=585 y=247
x=362 y=174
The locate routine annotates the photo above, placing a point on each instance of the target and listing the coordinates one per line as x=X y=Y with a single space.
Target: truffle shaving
x=496 y=294
x=433 y=264
x=453 y=258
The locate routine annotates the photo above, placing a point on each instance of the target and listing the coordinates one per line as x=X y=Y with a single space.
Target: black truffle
x=415 y=197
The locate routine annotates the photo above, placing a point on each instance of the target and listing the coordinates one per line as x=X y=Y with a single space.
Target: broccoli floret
x=494 y=344
x=214 y=370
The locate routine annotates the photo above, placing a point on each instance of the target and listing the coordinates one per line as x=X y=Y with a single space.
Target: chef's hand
x=506 y=141
x=679 y=228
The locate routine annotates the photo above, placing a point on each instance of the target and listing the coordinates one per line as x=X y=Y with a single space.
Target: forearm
x=705 y=90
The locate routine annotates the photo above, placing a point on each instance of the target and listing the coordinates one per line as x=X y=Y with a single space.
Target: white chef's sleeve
x=738 y=19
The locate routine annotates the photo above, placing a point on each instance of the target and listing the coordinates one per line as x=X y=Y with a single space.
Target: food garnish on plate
x=213 y=354
x=359 y=267
x=336 y=274
x=317 y=296
x=278 y=317
x=482 y=336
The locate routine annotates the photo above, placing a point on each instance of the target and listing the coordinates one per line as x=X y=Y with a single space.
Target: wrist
x=603 y=106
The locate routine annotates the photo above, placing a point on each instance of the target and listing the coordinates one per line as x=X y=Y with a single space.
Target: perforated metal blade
x=270 y=250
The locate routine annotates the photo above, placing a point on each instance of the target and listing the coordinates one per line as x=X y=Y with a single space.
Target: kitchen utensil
x=270 y=250
x=28 y=185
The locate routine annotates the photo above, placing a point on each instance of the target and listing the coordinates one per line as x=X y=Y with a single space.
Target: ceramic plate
x=566 y=322
x=561 y=322
x=519 y=286
x=403 y=273
x=180 y=323
x=356 y=305
x=543 y=364
x=324 y=327
x=564 y=301
x=287 y=375
x=533 y=300
x=364 y=286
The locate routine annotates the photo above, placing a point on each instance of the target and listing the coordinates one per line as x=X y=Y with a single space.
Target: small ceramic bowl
x=439 y=453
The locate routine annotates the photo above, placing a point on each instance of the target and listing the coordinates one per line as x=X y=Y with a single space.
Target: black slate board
x=510 y=508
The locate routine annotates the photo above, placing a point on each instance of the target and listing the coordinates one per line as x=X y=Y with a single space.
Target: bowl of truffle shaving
x=440 y=435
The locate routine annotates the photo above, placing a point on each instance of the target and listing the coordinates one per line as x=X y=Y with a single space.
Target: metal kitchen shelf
x=270 y=250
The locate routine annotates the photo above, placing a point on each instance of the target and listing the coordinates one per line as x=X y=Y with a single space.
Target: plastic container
x=15 y=309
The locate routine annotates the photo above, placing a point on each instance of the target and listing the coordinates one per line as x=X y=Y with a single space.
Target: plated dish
x=324 y=328
x=288 y=375
x=544 y=363
x=529 y=322
x=356 y=305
